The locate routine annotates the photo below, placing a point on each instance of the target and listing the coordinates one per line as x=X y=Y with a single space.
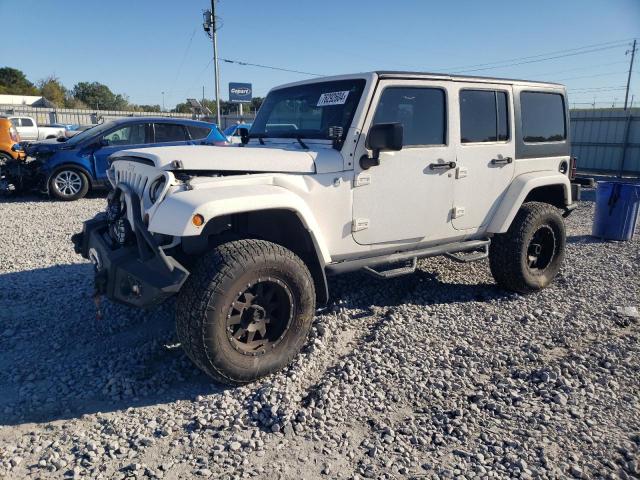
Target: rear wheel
x=529 y=255
x=245 y=310
x=68 y=184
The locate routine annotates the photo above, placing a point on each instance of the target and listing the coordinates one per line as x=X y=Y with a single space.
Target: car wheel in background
x=68 y=184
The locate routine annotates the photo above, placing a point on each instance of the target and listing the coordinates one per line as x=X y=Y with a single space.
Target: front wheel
x=68 y=184
x=245 y=310
x=529 y=255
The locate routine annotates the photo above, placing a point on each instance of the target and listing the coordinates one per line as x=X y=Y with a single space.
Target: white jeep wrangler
x=368 y=171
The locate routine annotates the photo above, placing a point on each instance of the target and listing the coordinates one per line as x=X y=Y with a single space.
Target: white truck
x=30 y=131
x=377 y=171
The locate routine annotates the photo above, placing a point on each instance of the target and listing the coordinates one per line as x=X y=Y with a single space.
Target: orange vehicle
x=9 y=139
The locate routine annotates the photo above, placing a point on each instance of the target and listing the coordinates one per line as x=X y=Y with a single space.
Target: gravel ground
x=436 y=375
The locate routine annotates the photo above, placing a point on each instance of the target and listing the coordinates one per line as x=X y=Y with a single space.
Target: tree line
x=94 y=95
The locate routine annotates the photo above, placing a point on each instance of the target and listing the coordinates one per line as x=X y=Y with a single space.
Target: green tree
x=148 y=108
x=14 y=82
x=72 y=102
x=182 y=108
x=256 y=102
x=52 y=89
x=99 y=96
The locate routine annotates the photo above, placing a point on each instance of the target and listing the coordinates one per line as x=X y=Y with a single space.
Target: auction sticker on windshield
x=333 y=98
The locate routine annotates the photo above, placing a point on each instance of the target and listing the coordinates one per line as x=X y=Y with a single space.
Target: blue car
x=68 y=169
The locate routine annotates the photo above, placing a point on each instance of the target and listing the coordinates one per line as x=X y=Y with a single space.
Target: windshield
x=309 y=110
x=90 y=132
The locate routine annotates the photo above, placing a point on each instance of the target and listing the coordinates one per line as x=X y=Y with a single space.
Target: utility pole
x=163 y=109
x=633 y=54
x=216 y=65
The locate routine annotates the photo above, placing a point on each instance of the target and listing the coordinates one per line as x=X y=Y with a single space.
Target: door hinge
x=457 y=212
x=461 y=172
x=359 y=224
x=362 y=179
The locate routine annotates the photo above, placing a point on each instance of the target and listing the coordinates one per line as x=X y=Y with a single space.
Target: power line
x=579 y=68
x=576 y=51
x=543 y=59
x=184 y=57
x=238 y=62
x=598 y=88
x=591 y=76
x=198 y=77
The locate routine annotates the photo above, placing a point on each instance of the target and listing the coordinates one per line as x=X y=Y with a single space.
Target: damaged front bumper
x=139 y=274
x=20 y=176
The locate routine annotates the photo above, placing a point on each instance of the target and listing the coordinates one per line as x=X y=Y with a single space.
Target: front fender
x=520 y=187
x=174 y=215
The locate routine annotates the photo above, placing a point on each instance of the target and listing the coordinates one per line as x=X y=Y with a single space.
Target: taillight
x=573 y=168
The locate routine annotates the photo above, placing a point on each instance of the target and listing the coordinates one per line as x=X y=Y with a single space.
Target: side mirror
x=244 y=135
x=382 y=137
x=103 y=142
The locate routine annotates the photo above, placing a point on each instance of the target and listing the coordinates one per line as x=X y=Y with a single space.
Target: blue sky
x=142 y=47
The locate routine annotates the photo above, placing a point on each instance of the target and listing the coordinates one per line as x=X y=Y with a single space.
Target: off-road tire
x=205 y=301
x=69 y=195
x=509 y=252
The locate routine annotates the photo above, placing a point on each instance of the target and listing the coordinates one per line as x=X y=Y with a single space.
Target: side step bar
x=394 y=272
x=472 y=257
x=413 y=255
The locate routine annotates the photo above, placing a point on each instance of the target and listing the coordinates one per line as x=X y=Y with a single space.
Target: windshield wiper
x=302 y=144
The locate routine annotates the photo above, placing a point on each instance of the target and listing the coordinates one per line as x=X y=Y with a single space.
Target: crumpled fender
x=173 y=216
x=518 y=191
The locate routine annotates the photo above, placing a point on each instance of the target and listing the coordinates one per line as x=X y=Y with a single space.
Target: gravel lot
x=435 y=375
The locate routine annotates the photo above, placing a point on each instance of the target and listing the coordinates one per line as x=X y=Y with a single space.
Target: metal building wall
x=606 y=141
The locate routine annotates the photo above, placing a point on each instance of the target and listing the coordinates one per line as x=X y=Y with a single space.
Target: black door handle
x=502 y=161
x=441 y=166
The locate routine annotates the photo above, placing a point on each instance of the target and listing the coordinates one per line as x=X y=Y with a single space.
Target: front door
x=408 y=196
x=128 y=136
x=485 y=152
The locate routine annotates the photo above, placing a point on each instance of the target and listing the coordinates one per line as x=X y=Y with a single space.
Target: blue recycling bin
x=617 y=206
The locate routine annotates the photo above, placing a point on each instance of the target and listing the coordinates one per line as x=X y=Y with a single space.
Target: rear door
x=167 y=134
x=485 y=152
x=127 y=136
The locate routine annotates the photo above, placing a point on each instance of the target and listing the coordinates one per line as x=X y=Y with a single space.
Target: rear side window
x=421 y=111
x=543 y=117
x=15 y=122
x=198 y=133
x=170 y=132
x=128 y=135
x=484 y=116
x=27 y=122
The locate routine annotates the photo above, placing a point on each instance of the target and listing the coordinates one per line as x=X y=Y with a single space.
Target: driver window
x=129 y=135
x=421 y=111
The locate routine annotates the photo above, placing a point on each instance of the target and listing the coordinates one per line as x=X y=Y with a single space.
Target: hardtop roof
x=404 y=74
x=392 y=74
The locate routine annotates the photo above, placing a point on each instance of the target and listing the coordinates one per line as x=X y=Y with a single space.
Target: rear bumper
x=140 y=274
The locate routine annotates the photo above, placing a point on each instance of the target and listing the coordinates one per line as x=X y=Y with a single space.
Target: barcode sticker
x=333 y=98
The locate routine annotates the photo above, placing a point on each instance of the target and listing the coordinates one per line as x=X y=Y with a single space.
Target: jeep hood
x=211 y=158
